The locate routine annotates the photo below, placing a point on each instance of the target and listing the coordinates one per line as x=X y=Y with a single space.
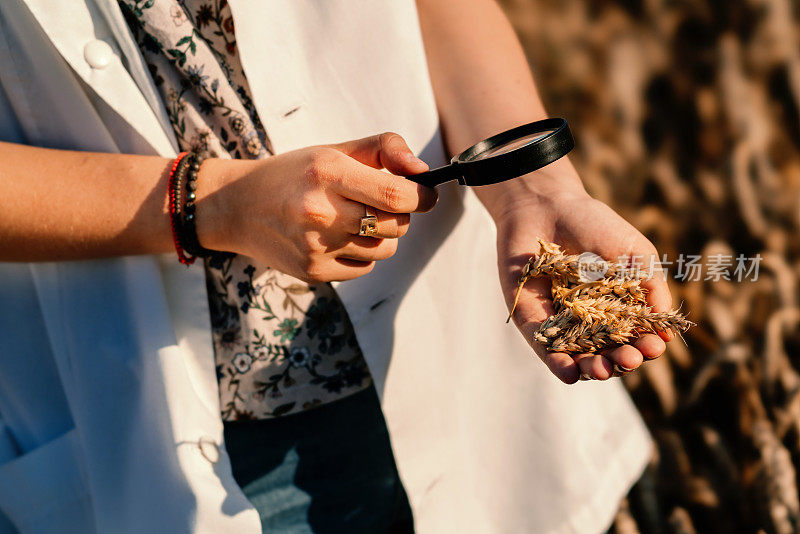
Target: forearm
x=483 y=85
x=297 y=212
x=60 y=205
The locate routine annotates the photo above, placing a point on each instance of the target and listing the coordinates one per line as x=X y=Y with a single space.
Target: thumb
x=385 y=151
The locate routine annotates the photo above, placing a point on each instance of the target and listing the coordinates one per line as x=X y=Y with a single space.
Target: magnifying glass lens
x=513 y=144
x=504 y=156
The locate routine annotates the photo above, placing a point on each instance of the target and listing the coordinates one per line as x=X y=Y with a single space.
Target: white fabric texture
x=486 y=439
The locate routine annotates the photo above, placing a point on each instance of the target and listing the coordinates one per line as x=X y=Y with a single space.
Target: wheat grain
x=591 y=316
x=627 y=290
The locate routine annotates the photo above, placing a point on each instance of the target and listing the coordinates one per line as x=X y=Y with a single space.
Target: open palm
x=578 y=223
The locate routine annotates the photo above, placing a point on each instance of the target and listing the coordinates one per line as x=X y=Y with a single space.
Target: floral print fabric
x=281 y=346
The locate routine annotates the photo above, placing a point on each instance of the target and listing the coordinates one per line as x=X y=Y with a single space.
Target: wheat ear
x=591 y=316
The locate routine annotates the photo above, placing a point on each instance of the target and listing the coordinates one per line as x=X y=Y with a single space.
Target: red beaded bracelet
x=175 y=207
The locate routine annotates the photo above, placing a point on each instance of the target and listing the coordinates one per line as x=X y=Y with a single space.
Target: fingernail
x=412 y=158
x=585 y=376
x=620 y=369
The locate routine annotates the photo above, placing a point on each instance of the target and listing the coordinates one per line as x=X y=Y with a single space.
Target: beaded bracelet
x=182 y=215
x=188 y=235
x=175 y=203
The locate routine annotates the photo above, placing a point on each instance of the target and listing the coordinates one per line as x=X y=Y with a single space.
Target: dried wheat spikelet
x=594 y=315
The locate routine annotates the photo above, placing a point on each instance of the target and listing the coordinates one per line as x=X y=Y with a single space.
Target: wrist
x=216 y=203
x=548 y=185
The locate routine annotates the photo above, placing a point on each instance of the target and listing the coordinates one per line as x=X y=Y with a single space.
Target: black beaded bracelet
x=186 y=212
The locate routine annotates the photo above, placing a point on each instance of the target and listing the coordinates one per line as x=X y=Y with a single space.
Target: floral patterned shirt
x=281 y=346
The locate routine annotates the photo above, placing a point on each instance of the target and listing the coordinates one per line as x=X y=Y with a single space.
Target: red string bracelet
x=175 y=209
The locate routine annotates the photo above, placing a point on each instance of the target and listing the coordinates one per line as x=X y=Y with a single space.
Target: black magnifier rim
x=504 y=166
x=518 y=161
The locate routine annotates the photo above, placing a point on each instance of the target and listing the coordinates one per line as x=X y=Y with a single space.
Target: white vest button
x=98 y=54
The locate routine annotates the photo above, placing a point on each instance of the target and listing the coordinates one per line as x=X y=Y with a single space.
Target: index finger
x=387 y=150
x=386 y=191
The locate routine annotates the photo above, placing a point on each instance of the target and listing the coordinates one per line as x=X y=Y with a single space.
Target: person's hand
x=300 y=212
x=579 y=223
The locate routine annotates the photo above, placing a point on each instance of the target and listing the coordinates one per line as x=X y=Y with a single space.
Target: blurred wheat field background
x=686 y=116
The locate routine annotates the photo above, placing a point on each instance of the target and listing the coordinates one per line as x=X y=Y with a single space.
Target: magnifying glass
x=504 y=156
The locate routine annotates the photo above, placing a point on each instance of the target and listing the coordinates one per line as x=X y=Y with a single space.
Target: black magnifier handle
x=504 y=156
x=438 y=176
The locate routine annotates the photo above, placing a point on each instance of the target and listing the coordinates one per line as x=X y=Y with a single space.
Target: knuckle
x=315 y=273
x=310 y=246
x=386 y=138
x=393 y=145
x=392 y=196
x=314 y=211
x=314 y=171
x=321 y=162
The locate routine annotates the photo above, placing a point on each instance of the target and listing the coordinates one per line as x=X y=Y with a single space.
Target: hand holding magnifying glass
x=504 y=156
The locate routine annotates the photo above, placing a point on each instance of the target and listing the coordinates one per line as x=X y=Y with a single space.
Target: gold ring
x=369 y=223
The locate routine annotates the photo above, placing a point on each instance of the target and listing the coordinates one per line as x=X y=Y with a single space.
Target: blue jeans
x=327 y=470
